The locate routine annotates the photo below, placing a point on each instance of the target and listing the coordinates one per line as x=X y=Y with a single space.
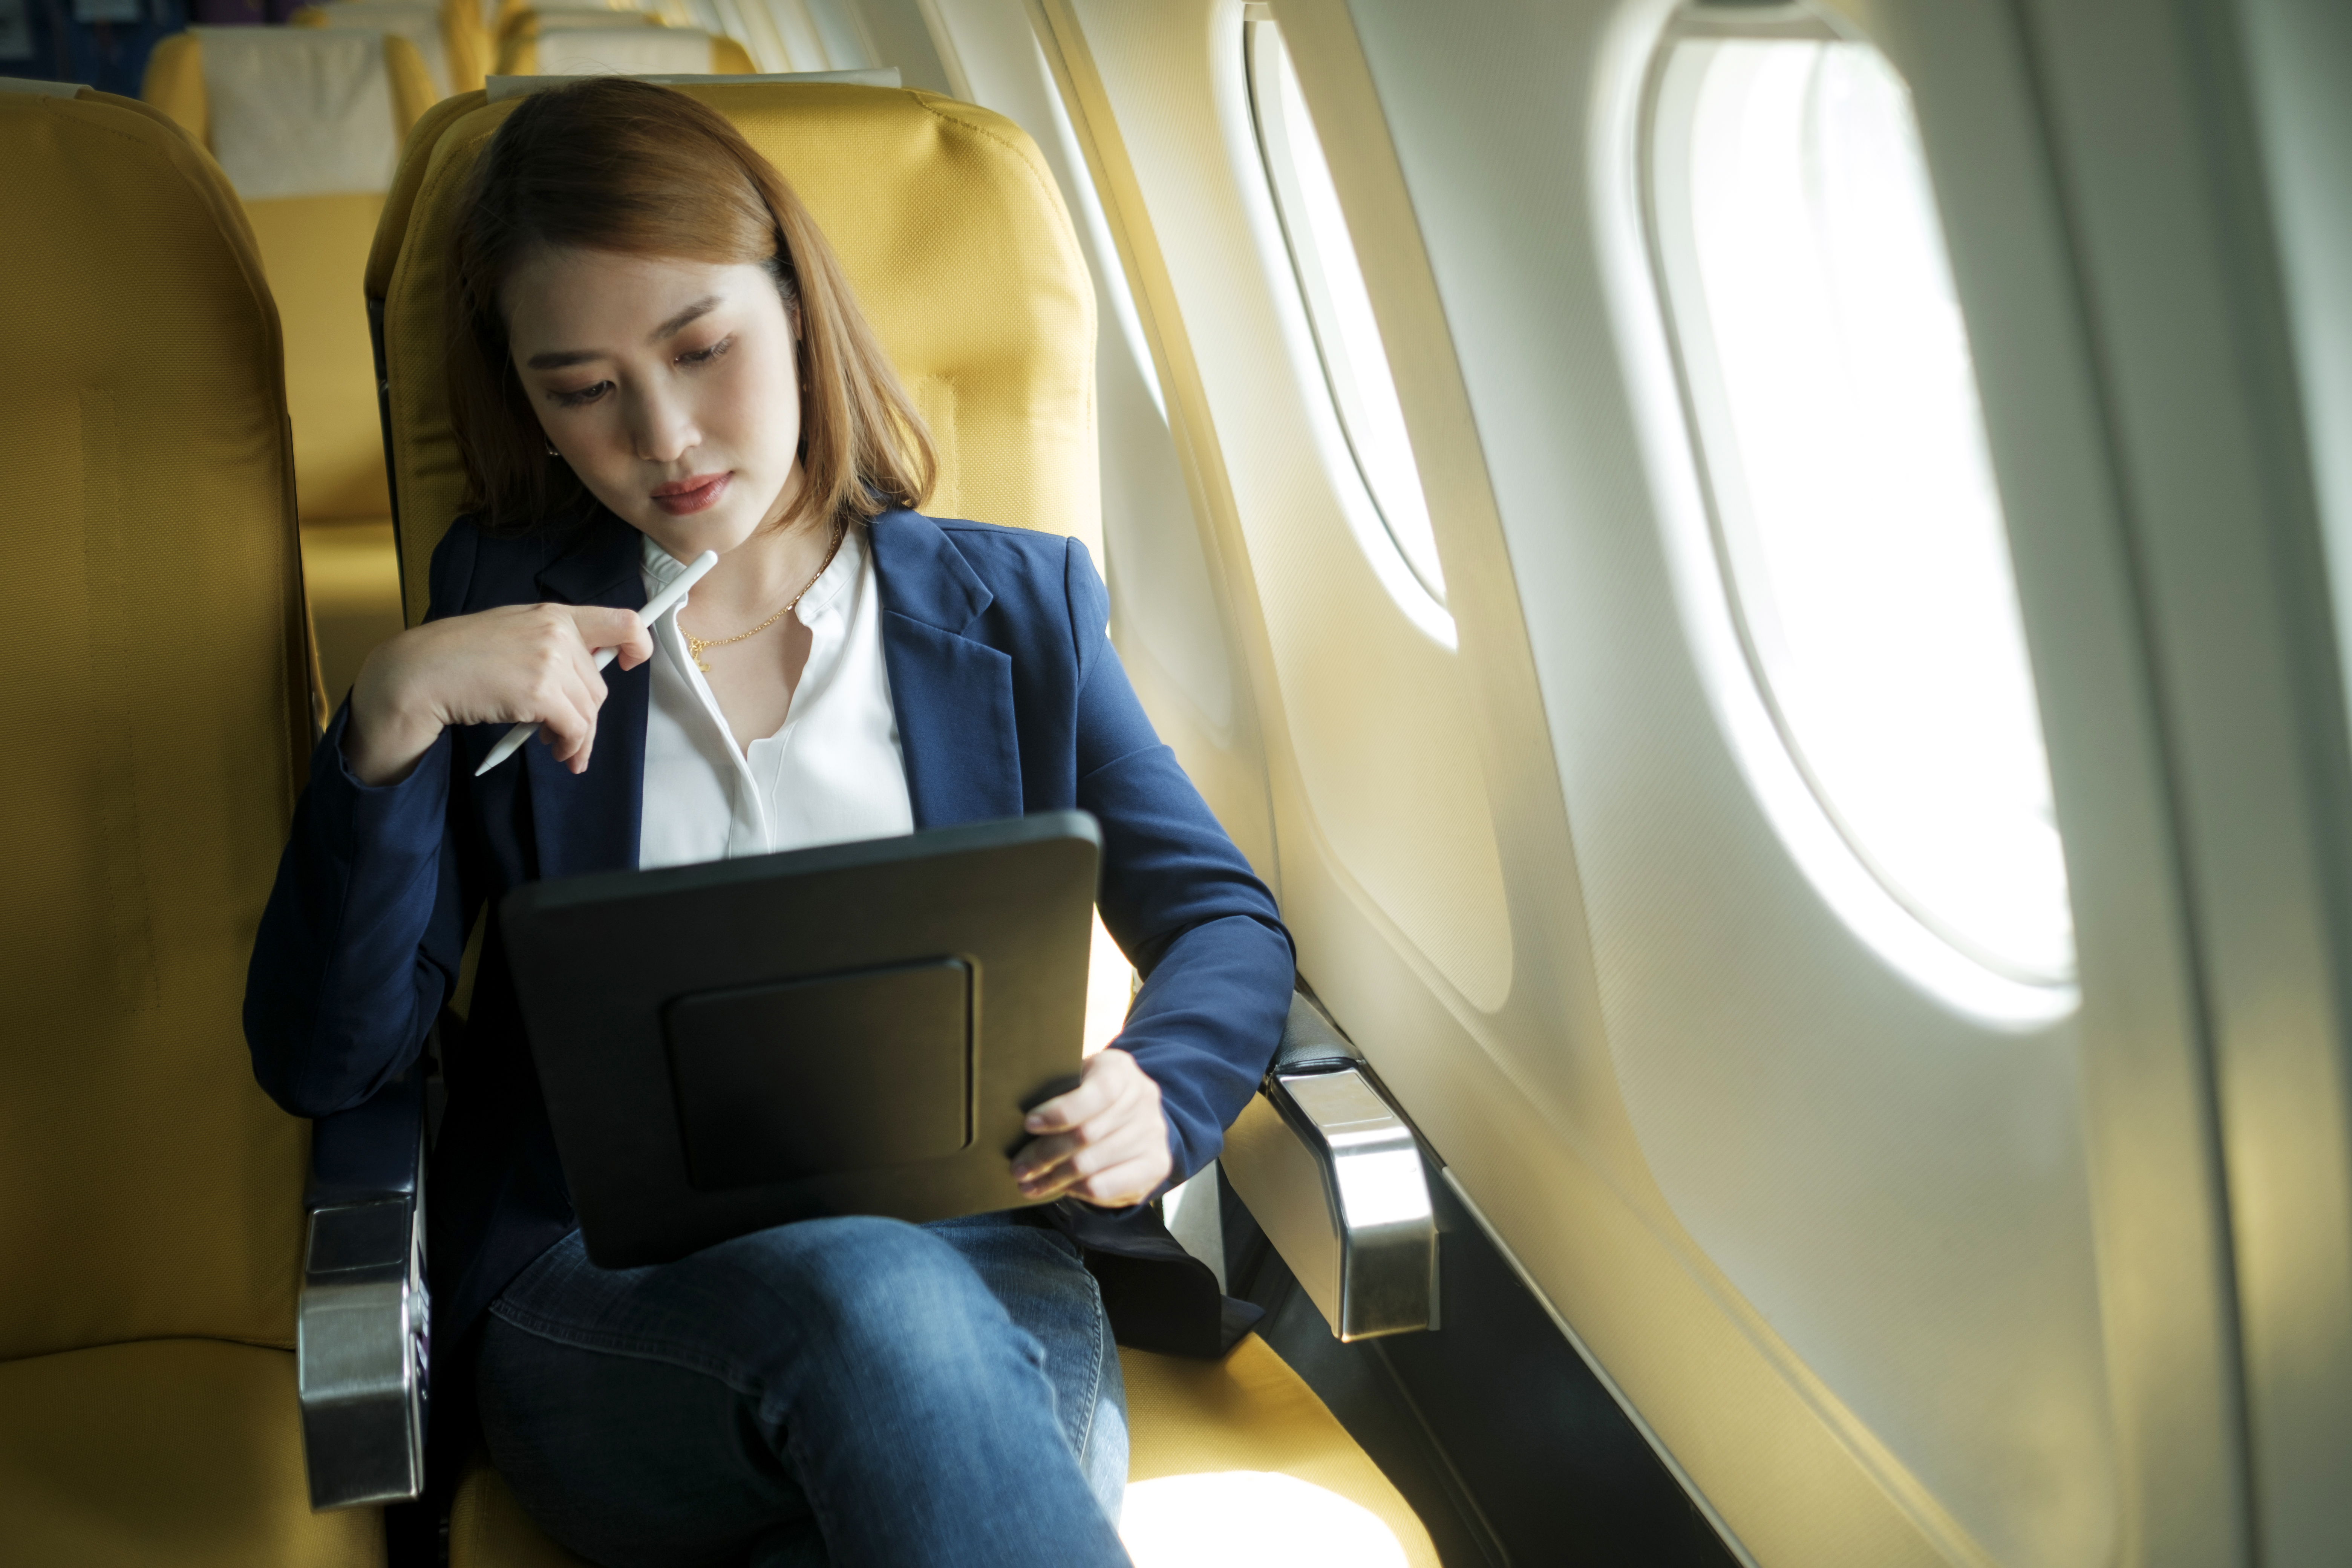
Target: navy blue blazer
x=1010 y=699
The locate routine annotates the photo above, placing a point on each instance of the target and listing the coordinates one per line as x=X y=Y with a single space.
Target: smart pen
x=656 y=608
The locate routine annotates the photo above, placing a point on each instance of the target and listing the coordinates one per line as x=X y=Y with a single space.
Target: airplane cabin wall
x=1887 y=1277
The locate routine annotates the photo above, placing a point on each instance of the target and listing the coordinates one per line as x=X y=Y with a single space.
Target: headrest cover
x=419 y=24
x=625 y=50
x=502 y=88
x=299 y=111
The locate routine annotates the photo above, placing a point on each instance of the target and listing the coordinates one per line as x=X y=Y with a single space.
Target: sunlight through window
x=1339 y=308
x=1857 y=521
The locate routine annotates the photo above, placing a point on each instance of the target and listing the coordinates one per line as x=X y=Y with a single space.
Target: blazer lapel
x=953 y=694
x=591 y=821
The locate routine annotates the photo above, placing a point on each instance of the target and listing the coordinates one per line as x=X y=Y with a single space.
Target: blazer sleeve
x=359 y=942
x=1179 y=900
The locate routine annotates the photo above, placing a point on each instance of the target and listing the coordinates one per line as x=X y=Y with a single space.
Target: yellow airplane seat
x=500 y=13
x=950 y=228
x=628 y=44
x=307 y=123
x=448 y=35
x=150 y=1195
x=549 y=18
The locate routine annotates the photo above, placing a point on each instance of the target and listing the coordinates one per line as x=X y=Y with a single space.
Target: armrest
x=362 y=1322
x=1333 y=1176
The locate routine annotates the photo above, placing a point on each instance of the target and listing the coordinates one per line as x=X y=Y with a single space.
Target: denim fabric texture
x=842 y=1392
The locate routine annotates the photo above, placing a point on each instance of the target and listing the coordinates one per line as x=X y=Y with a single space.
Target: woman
x=654 y=354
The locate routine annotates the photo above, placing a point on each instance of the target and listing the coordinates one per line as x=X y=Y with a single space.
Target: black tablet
x=852 y=1029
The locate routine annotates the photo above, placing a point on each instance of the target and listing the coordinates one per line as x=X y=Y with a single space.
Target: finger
x=1093 y=1096
x=1136 y=1101
x=1123 y=1186
x=568 y=716
x=621 y=630
x=587 y=682
x=1041 y=1157
x=1050 y=1166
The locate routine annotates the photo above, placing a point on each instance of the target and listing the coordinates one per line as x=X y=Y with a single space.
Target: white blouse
x=835 y=771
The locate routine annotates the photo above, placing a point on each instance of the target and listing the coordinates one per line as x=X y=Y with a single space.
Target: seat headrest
x=626 y=49
x=424 y=25
x=293 y=112
x=950 y=230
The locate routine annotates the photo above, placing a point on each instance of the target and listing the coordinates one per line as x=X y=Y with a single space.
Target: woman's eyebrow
x=557 y=359
x=684 y=318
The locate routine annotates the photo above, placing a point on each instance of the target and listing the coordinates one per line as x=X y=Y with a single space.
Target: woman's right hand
x=518 y=664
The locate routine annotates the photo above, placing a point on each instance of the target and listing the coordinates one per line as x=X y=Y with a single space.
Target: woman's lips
x=686 y=496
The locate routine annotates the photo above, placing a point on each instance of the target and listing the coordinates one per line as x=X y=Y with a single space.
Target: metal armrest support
x=362 y=1322
x=1333 y=1176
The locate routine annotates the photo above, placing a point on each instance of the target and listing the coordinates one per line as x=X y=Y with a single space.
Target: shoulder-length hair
x=639 y=170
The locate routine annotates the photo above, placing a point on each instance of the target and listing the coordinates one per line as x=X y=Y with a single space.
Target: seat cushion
x=1238 y=1464
x=164 y=1454
x=1233 y=1464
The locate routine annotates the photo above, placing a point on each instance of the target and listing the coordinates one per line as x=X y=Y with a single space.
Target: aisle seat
x=562 y=44
x=307 y=124
x=448 y=35
x=1232 y=1465
x=150 y=1195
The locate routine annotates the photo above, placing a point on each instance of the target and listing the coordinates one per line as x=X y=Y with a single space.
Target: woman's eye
x=704 y=356
x=585 y=395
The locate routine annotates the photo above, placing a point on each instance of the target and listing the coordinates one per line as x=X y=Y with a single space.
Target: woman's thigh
x=684 y=1413
x=1036 y=1273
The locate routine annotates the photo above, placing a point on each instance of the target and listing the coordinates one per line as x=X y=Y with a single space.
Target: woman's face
x=669 y=387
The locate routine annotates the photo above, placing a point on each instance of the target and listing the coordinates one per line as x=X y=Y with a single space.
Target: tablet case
x=857 y=1028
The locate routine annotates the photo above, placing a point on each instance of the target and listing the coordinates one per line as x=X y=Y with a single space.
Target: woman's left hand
x=1105 y=1142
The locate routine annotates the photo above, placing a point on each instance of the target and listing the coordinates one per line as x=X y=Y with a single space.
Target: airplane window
x=1857 y=525
x=1338 y=307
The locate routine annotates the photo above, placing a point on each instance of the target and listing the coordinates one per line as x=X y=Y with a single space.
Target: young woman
x=653 y=354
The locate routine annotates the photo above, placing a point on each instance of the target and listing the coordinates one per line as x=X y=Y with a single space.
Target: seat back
x=951 y=229
x=308 y=123
x=552 y=18
x=148 y=1189
x=580 y=43
x=448 y=35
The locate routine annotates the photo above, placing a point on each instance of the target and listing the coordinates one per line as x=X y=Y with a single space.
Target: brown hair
x=626 y=166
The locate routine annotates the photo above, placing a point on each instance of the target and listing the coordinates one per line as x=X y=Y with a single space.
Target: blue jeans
x=839 y=1391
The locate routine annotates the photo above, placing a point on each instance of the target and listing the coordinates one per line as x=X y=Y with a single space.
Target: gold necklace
x=695 y=645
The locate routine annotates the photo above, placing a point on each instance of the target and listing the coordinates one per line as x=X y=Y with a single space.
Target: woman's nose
x=661 y=429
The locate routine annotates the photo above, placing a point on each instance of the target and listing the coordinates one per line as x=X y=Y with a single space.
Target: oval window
x=1338 y=307
x=1857 y=523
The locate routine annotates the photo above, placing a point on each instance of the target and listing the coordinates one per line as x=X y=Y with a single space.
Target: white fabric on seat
x=623 y=51
x=502 y=88
x=557 y=18
x=299 y=111
x=419 y=24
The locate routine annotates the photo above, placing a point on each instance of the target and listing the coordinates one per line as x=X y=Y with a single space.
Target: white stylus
x=656 y=608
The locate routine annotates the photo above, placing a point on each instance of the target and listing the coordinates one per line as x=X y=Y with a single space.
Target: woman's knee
x=874 y=1287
